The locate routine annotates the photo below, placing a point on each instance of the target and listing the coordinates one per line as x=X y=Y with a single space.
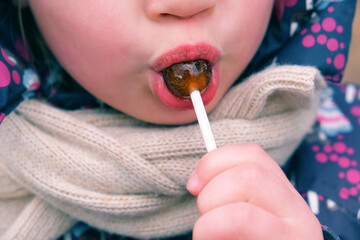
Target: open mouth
x=202 y=58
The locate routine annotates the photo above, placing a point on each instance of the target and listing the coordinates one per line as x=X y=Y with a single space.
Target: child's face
x=116 y=48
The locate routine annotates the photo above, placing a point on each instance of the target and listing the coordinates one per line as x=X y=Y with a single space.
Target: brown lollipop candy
x=185 y=77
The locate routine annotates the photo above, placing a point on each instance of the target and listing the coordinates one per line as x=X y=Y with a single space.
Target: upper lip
x=187 y=52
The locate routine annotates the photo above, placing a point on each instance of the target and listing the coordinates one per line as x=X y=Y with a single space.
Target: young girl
x=129 y=172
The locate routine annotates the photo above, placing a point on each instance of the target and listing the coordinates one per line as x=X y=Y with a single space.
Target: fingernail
x=193 y=184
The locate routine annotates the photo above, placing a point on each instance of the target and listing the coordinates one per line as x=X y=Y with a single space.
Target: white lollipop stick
x=203 y=120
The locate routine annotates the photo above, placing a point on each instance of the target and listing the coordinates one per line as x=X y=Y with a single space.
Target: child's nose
x=155 y=9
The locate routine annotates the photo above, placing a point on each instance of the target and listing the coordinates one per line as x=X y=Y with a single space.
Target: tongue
x=185 y=77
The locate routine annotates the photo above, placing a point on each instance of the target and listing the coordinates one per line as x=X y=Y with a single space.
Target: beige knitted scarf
x=127 y=176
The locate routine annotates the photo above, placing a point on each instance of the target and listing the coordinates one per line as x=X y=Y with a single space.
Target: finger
x=250 y=182
x=239 y=221
x=223 y=158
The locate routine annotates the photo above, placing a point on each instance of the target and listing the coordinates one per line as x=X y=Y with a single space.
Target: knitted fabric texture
x=127 y=176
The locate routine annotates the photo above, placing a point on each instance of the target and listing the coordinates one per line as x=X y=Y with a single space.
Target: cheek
x=249 y=22
x=82 y=39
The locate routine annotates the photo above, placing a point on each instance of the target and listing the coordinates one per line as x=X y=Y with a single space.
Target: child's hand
x=243 y=194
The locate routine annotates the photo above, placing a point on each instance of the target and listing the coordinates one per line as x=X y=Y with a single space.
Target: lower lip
x=161 y=91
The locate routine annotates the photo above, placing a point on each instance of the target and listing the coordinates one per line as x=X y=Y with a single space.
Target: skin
x=108 y=48
x=243 y=194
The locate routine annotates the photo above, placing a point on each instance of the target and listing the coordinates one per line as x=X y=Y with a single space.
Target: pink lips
x=184 y=53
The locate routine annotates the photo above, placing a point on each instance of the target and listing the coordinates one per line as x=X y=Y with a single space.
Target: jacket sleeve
x=326 y=169
x=309 y=32
x=17 y=81
x=329 y=235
